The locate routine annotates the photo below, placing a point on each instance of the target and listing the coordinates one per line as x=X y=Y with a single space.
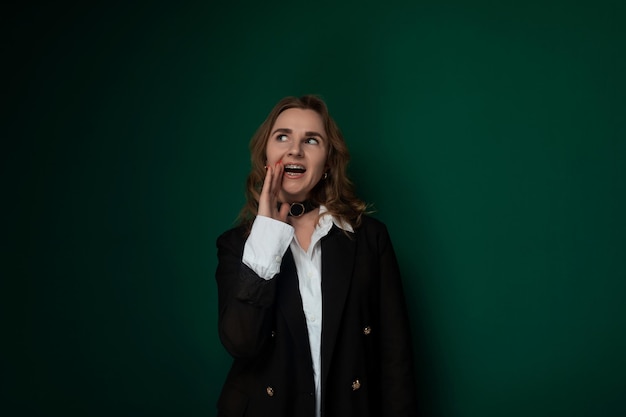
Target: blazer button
x=273 y=333
x=356 y=384
x=270 y=391
x=367 y=330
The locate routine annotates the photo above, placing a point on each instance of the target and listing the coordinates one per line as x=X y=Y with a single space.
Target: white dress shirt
x=263 y=253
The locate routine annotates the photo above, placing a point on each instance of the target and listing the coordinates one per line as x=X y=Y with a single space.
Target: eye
x=312 y=141
x=281 y=138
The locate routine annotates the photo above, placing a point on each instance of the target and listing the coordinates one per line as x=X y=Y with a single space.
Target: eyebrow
x=310 y=133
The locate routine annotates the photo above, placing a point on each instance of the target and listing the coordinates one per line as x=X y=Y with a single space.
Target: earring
x=325 y=175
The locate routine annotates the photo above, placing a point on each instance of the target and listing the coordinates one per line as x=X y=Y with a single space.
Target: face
x=298 y=141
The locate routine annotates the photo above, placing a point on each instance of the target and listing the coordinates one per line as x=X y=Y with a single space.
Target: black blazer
x=367 y=360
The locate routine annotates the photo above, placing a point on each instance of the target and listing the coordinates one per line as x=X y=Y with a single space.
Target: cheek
x=274 y=152
x=270 y=154
x=323 y=163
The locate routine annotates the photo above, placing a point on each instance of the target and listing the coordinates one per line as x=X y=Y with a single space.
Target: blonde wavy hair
x=335 y=192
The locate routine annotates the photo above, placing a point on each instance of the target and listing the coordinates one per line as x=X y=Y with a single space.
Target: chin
x=294 y=197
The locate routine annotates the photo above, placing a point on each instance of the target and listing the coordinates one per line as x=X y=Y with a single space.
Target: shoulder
x=370 y=224
x=372 y=230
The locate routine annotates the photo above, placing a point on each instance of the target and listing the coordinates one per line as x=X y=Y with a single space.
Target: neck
x=305 y=221
x=300 y=208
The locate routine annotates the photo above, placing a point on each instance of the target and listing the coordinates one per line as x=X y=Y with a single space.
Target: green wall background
x=490 y=137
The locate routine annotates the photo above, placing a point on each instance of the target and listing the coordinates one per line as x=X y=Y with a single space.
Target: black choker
x=299 y=209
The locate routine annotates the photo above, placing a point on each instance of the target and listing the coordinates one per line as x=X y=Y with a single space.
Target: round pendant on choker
x=299 y=209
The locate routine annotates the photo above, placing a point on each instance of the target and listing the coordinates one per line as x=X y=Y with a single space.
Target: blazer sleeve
x=245 y=300
x=397 y=369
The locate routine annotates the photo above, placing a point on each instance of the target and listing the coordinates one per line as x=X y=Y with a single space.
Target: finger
x=266 y=181
x=277 y=180
x=265 y=199
x=284 y=210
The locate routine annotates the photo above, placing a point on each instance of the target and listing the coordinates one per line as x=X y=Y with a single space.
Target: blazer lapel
x=338 y=253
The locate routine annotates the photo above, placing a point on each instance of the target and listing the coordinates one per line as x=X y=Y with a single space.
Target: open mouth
x=293 y=169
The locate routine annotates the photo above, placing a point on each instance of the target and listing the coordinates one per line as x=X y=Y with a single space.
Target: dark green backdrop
x=490 y=136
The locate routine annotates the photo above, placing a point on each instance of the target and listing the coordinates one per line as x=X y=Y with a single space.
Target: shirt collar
x=327 y=221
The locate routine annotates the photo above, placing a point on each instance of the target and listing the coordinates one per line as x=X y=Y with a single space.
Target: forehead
x=300 y=119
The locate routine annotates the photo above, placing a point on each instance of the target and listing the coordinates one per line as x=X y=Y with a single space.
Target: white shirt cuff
x=266 y=245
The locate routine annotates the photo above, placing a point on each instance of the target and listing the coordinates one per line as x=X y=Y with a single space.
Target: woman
x=310 y=298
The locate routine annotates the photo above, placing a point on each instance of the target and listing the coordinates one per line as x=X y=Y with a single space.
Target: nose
x=295 y=149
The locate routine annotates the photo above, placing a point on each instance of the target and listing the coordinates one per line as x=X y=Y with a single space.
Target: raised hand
x=268 y=200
